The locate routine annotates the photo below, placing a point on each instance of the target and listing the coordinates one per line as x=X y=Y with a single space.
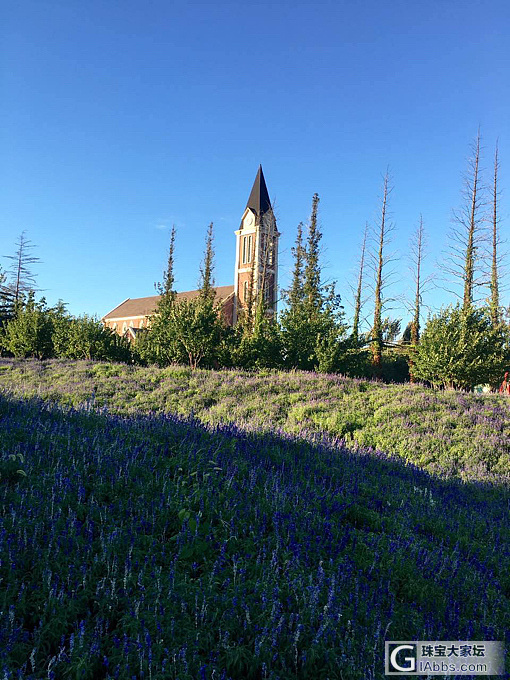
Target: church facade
x=255 y=271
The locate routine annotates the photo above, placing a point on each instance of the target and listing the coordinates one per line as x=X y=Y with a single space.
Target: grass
x=152 y=545
x=447 y=433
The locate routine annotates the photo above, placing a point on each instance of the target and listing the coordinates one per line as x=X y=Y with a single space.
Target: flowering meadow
x=450 y=433
x=239 y=543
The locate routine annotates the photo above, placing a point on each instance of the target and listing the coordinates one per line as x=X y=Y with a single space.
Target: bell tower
x=256 y=270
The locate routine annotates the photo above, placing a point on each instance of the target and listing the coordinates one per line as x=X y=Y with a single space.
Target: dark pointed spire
x=259 y=200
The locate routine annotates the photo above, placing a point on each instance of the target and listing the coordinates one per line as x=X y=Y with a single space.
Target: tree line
x=462 y=345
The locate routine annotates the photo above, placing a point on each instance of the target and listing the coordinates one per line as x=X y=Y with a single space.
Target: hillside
x=448 y=433
x=148 y=546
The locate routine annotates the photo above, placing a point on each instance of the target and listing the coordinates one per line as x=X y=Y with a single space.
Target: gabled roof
x=259 y=200
x=142 y=307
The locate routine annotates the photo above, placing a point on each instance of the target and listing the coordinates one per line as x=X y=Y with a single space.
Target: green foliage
x=43 y=332
x=314 y=340
x=461 y=349
x=260 y=348
x=330 y=348
x=6 y=299
x=10 y=470
x=187 y=331
x=312 y=291
x=28 y=333
x=167 y=287
x=87 y=338
x=312 y=328
x=207 y=268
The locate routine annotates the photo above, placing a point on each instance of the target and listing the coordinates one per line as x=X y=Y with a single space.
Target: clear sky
x=119 y=119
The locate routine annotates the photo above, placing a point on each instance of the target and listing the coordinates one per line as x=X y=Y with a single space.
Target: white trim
x=128 y=318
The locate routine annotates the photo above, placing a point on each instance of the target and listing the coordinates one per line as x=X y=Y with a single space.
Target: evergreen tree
x=166 y=288
x=312 y=275
x=206 y=283
x=195 y=329
x=311 y=327
x=185 y=331
x=461 y=348
x=28 y=333
x=22 y=279
x=261 y=348
x=61 y=330
x=295 y=294
x=87 y=338
x=6 y=299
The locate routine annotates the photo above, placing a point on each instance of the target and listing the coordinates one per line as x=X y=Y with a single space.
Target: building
x=134 y=313
x=256 y=250
x=256 y=268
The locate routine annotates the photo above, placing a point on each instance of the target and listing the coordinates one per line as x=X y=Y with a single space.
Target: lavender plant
x=155 y=546
x=445 y=432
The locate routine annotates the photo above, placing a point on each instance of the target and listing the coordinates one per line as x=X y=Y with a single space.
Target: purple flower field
x=153 y=545
x=445 y=432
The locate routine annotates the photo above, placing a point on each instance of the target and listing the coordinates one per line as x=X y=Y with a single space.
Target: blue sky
x=121 y=119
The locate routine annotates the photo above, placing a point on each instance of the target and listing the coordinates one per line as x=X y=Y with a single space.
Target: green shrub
x=460 y=349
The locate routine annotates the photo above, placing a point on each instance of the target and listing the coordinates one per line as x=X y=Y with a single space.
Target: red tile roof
x=142 y=307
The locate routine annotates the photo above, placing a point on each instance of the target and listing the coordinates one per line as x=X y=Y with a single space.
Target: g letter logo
x=400 y=658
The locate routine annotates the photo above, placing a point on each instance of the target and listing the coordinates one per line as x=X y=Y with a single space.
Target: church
x=255 y=271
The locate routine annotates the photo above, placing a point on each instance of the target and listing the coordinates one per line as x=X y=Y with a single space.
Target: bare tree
x=421 y=285
x=267 y=251
x=468 y=233
x=357 y=297
x=495 y=264
x=22 y=279
x=417 y=254
x=380 y=260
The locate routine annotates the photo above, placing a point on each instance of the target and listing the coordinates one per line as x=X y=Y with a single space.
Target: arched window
x=114 y=326
x=247 y=248
x=124 y=327
x=245 y=291
x=141 y=324
x=131 y=324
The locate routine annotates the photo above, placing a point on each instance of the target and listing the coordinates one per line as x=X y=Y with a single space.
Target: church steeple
x=259 y=200
x=256 y=268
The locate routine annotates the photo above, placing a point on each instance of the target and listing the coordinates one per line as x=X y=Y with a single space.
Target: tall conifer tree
x=166 y=288
x=22 y=279
x=312 y=273
x=295 y=293
x=206 y=270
